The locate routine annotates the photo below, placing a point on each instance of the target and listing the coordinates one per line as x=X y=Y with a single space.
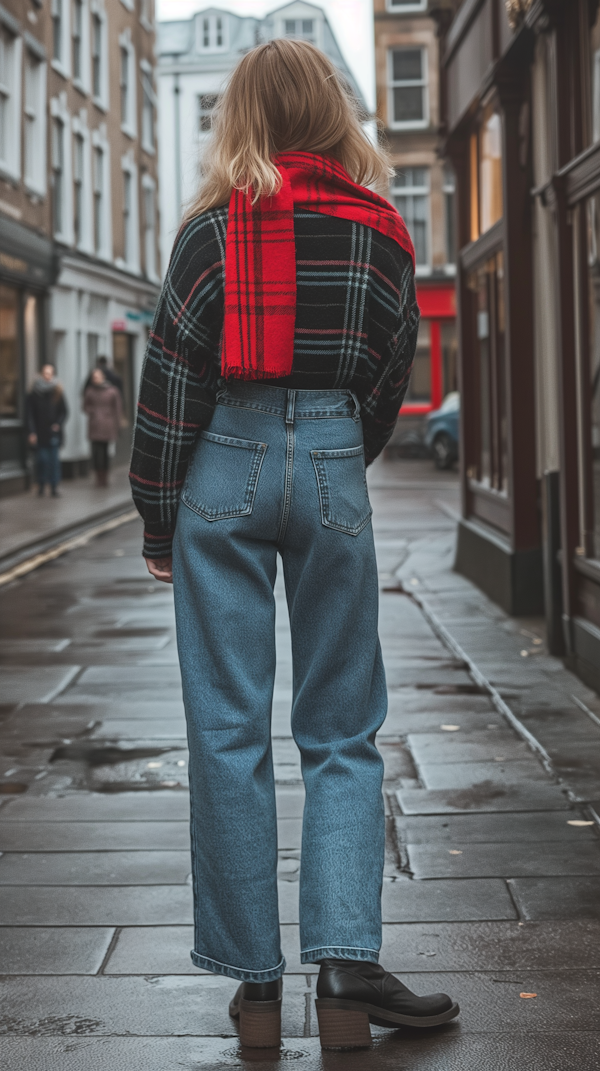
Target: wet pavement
x=492 y=787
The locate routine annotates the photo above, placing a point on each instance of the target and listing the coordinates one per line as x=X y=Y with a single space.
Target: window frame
x=423 y=191
x=130 y=261
x=449 y=195
x=302 y=36
x=423 y=82
x=200 y=111
x=212 y=20
x=129 y=117
x=149 y=106
x=99 y=19
x=61 y=9
x=150 y=233
x=410 y=8
x=10 y=152
x=35 y=176
x=100 y=144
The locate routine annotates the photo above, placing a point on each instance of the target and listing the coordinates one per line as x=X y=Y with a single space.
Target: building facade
x=521 y=93
x=408 y=107
x=79 y=251
x=195 y=58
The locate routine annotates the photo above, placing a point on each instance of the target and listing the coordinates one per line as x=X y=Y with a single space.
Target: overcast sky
x=351 y=21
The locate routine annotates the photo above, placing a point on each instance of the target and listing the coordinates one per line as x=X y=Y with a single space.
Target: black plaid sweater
x=356 y=329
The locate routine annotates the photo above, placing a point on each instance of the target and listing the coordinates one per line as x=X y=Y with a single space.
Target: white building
x=195 y=58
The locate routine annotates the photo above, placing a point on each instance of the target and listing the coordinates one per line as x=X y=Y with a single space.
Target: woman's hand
x=161 y=569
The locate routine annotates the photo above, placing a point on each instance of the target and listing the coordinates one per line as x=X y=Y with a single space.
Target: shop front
x=27 y=270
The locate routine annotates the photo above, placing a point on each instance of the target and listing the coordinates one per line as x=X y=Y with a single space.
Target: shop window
x=206 y=106
x=34 y=122
x=486 y=174
x=410 y=193
x=408 y=88
x=9 y=353
x=487 y=287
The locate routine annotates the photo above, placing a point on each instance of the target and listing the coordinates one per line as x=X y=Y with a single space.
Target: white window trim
x=80 y=128
x=133 y=266
x=147 y=77
x=147 y=23
x=448 y=187
x=63 y=66
x=84 y=83
x=148 y=183
x=410 y=8
x=318 y=27
x=36 y=182
x=419 y=191
x=102 y=101
x=129 y=4
x=129 y=127
x=212 y=49
x=10 y=166
x=412 y=124
x=59 y=110
x=100 y=141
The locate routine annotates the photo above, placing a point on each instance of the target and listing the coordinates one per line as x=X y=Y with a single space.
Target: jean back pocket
x=342 y=485
x=223 y=476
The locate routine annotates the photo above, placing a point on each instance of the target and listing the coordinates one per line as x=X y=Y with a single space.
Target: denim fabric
x=48 y=464
x=281 y=471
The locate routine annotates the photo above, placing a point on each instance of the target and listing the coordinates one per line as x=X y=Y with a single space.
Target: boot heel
x=260 y=1024
x=342 y=1027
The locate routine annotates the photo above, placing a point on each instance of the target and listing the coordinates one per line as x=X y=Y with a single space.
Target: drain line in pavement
x=62 y=548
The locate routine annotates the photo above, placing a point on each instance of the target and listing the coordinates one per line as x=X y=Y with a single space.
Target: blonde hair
x=284 y=96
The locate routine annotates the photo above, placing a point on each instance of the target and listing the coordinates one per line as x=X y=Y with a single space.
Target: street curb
x=453 y=645
x=33 y=555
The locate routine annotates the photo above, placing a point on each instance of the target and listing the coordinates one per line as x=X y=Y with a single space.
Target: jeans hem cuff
x=314 y=955
x=215 y=967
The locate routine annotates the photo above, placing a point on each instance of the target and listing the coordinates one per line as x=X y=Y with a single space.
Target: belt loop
x=291 y=405
x=356 y=413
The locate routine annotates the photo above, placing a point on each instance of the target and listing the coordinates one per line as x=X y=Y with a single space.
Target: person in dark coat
x=46 y=414
x=102 y=403
x=109 y=373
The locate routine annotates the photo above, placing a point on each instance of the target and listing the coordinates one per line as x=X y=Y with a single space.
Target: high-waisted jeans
x=281 y=471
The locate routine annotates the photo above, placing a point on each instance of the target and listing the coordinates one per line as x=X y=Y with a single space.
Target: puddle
x=93 y=755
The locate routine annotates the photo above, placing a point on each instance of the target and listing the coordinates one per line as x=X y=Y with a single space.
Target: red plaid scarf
x=260 y=258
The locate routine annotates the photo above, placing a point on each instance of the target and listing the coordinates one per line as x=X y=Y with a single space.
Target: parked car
x=441 y=432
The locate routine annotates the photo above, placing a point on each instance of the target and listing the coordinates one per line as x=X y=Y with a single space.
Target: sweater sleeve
x=179 y=378
x=381 y=407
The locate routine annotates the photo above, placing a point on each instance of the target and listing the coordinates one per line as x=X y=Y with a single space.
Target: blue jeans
x=48 y=464
x=281 y=471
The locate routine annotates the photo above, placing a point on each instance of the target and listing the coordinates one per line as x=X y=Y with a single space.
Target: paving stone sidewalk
x=492 y=882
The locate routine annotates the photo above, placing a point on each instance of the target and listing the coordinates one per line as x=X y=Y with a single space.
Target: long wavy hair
x=284 y=96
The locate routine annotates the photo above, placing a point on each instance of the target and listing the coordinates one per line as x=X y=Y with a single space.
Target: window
x=57 y=30
x=302 y=28
x=58 y=174
x=127 y=80
x=486 y=174
x=125 y=87
x=211 y=33
x=35 y=84
x=406 y=5
x=97 y=50
x=78 y=150
x=148 y=100
x=448 y=190
x=10 y=80
x=127 y=217
x=149 y=227
x=131 y=225
x=206 y=106
x=408 y=87
x=410 y=194
x=487 y=287
x=9 y=352
x=77 y=39
x=98 y=182
x=146 y=12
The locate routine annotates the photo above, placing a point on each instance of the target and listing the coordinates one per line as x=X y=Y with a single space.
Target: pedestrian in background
x=46 y=415
x=109 y=373
x=273 y=374
x=102 y=403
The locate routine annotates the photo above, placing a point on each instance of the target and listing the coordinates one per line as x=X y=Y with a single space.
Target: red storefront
x=435 y=368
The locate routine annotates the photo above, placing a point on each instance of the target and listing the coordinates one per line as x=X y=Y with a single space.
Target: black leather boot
x=257 y=1005
x=351 y=994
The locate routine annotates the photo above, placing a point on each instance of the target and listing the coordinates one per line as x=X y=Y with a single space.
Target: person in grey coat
x=102 y=403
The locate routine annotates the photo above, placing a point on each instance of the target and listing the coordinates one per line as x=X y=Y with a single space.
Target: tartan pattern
x=260 y=263
x=356 y=329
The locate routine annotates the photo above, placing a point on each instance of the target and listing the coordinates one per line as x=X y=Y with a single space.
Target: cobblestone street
x=492 y=787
